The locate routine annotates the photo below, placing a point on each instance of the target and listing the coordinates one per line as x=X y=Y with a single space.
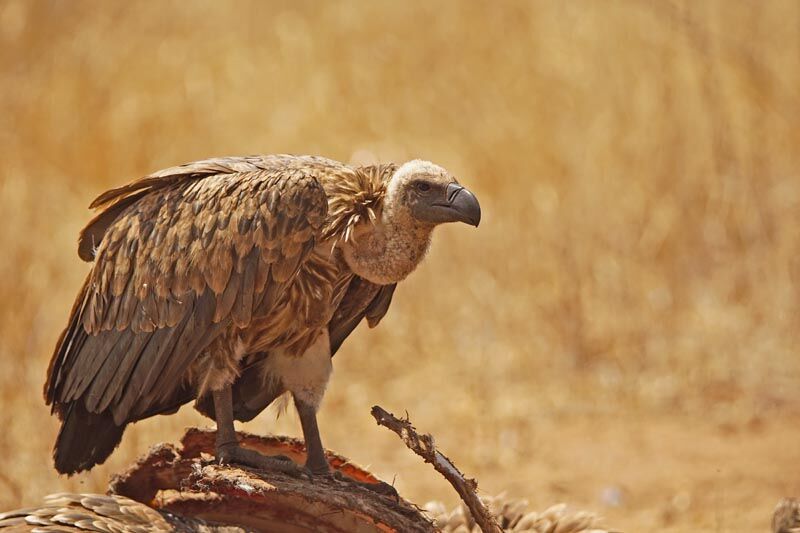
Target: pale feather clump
x=786 y=518
x=513 y=516
x=354 y=199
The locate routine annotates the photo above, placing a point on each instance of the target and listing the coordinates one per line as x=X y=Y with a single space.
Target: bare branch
x=423 y=446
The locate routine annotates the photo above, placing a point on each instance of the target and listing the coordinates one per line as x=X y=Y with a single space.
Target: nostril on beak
x=465 y=203
x=452 y=191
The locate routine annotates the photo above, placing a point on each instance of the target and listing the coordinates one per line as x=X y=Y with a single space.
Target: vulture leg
x=316 y=461
x=227 y=445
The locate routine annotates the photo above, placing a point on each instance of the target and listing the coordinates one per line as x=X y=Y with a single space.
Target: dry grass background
x=621 y=332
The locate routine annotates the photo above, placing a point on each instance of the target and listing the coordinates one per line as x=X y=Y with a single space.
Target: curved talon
x=381 y=487
x=307 y=473
x=319 y=471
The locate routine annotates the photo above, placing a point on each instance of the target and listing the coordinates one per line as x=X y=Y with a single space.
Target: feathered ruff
x=355 y=198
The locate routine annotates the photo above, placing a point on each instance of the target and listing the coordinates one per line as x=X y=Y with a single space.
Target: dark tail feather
x=85 y=440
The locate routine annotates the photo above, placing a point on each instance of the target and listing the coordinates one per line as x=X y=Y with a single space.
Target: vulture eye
x=423 y=187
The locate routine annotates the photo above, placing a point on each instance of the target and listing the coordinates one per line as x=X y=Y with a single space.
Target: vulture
x=67 y=512
x=230 y=282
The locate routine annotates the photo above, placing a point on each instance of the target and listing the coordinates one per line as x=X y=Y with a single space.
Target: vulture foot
x=234 y=454
x=381 y=487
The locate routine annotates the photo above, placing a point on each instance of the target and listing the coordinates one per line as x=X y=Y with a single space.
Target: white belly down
x=306 y=376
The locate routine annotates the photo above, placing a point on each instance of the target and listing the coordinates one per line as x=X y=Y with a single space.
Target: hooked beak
x=462 y=206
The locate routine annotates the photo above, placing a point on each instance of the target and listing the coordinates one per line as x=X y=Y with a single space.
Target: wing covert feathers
x=226 y=232
x=178 y=257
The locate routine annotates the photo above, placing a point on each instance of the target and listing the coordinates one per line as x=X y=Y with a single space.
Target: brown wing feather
x=190 y=251
x=362 y=299
x=92 y=234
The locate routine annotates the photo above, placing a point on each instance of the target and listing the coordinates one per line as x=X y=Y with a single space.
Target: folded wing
x=178 y=257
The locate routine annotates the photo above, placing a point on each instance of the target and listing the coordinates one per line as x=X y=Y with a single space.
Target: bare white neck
x=390 y=250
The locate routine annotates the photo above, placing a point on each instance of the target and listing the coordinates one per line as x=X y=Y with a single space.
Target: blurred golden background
x=622 y=331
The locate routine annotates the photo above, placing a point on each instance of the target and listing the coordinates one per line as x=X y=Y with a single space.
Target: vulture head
x=430 y=195
x=419 y=196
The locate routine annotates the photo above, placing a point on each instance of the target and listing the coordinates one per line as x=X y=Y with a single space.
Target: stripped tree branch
x=423 y=446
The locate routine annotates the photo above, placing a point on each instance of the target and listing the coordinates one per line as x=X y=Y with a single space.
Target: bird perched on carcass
x=231 y=281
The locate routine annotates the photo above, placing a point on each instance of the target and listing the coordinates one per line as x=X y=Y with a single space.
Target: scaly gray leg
x=227 y=445
x=316 y=462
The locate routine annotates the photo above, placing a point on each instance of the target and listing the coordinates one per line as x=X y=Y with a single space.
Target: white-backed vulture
x=67 y=512
x=231 y=281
